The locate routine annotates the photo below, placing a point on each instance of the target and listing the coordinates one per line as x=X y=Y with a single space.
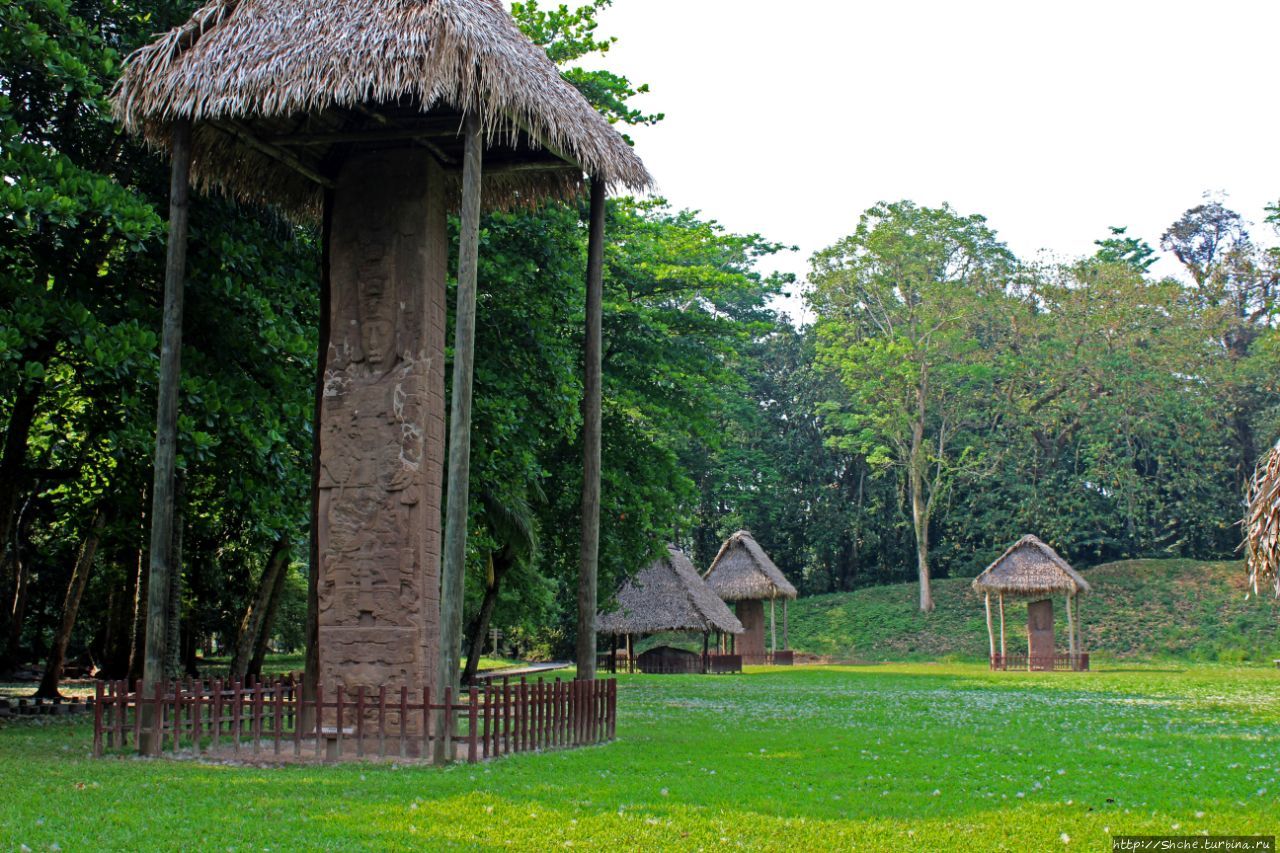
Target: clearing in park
x=892 y=757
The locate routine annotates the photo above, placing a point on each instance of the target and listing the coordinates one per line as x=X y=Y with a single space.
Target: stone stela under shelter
x=375 y=118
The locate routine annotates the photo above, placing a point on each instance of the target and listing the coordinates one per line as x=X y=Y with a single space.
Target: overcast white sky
x=1054 y=120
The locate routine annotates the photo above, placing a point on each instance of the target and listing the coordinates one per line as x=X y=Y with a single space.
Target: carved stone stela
x=382 y=427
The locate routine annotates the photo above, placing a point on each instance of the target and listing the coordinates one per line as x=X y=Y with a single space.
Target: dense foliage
x=947 y=399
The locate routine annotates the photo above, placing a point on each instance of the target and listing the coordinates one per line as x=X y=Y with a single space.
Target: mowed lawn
x=894 y=757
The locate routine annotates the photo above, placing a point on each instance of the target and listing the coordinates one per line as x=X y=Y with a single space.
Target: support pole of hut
x=1079 y=628
x=773 y=626
x=706 y=652
x=589 y=553
x=455 y=528
x=1071 y=631
x=991 y=637
x=162 y=490
x=786 y=633
x=1003 y=654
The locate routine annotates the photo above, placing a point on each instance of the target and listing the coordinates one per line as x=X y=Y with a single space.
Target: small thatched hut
x=667 y=595
x=1030 y=569
x=743 y=575
x=376 y=118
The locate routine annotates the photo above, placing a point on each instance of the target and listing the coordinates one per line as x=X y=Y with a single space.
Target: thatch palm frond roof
x=288 y=66
x=668 y=595
x=1030 y=569
x=742 y=570
x=1262 y=525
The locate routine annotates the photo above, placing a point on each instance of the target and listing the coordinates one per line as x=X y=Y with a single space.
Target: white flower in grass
x=664 y=792
x=1199 y=814
x=937 y=793
x=1176 y=826
x=1066 y=839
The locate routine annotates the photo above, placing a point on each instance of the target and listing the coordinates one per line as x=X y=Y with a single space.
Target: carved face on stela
x=377 y=299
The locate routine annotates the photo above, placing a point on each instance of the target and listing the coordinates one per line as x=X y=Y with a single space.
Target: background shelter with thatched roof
x=1032 y=570
x=667 y=595
x=743 y=575
x=375 y=118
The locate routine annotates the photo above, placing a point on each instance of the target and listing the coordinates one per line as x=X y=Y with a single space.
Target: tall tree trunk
x=269 y=619
x=139 y=621
x=256 y=613
x=500 y=565
x=920 y=516
x=589 y=551
x=71 y=606
x=13 y=459
x=17 y=609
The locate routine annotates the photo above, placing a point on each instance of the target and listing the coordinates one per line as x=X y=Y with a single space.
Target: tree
x=1120 y=248
x=1235 y=281
x=900 y=305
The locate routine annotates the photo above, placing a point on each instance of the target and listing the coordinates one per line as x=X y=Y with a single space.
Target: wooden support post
x=706 y=652
x=309 y=719
x=786 y=638
x=1071 y=631
x=1003 y=653
x=1079 y=629
x=455 y=529
x=773 y=626
x=589 y=552
x=162 y=491
x=991 y=637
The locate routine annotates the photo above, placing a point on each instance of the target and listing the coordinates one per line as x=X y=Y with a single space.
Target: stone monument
x=382 y=426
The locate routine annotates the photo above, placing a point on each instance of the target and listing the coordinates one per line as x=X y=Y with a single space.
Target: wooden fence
x=782 y=657
x=1043 y=663
x=272 y=719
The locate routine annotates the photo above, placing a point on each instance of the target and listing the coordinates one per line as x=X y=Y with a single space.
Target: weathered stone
x=382 y=426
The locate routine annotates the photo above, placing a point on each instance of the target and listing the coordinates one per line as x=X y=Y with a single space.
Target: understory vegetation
x=908 y=756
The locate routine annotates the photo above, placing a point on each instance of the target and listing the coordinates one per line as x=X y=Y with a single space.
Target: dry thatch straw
x=743 y=571
x=1262 y=525
x=1030 y=569
x=287 y=66
x=668 y=596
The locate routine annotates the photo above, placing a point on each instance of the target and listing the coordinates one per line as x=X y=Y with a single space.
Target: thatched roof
x=1030 y=569
x=1262 y=525
x=668 y=596
x=742 y=570
x=255 y=72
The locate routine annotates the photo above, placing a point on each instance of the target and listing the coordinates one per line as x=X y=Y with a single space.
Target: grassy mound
x=1139 y=609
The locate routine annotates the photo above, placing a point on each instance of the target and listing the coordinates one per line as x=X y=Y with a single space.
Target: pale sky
x=1055 y=120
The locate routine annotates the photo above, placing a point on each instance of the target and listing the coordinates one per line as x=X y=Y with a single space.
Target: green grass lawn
x=907 y=756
